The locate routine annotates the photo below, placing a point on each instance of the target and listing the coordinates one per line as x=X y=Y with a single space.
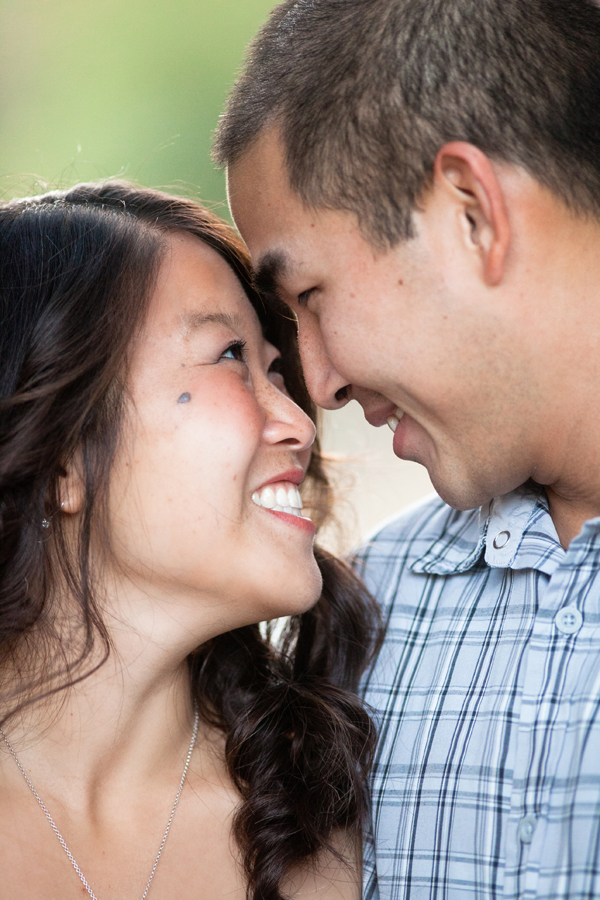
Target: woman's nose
x=287 y=423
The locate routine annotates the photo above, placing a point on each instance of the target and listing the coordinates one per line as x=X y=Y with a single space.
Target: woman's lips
x=282 y=499
x=301 y=522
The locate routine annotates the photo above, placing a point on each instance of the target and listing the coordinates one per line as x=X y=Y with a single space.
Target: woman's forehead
x=196 y=286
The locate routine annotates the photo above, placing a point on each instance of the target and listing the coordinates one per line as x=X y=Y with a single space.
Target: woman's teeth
x=393 y=420
x=282 y=497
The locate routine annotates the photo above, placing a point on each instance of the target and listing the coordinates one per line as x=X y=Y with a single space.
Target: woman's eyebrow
x=194 y=320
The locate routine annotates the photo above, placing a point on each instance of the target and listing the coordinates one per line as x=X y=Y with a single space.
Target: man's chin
x=458 y=480
x=461 y=494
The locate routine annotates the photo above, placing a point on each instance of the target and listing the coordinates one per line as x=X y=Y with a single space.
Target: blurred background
x=105 y=88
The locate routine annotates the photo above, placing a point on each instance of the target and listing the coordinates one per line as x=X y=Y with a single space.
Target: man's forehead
x=266 y=210
x=259 y=175
x=284 y=235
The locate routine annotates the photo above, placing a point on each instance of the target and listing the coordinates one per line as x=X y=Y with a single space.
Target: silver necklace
x=63 y=843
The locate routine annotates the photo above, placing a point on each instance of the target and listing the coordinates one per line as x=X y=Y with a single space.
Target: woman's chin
x=296 y=597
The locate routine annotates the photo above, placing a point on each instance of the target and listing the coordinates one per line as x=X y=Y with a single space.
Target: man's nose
x=325 y=385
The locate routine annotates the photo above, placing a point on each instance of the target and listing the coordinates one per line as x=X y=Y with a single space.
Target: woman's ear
x=469 y=176
x=72 y=486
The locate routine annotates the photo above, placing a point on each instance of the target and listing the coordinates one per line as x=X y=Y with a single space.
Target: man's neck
x=570 y=514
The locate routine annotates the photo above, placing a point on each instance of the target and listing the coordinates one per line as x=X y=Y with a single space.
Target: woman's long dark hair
x=76 y=271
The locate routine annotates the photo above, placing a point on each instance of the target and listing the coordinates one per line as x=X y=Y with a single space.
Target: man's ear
x=72 y=486
x=467 y=173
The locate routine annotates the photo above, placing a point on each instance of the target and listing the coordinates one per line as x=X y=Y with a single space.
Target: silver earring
x=46 y=523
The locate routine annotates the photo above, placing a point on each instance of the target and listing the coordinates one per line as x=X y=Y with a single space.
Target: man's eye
x=276 y=366
x=304 y=297
x=235 y=351
x=275 y=374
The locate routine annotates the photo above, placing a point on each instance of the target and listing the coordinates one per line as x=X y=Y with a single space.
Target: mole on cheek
x=184 y=398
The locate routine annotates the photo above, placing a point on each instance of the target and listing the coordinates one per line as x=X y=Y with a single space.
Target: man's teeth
x=393 y=420
x=282 y=497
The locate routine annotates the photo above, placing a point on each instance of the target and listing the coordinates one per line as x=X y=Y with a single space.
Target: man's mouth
x=283 y=496
x=395 y=419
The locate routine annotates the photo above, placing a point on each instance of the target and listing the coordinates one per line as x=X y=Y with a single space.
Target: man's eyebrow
x=195 y=320
x=269 y=273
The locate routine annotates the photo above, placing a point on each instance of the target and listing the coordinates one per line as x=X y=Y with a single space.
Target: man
x=419 y=181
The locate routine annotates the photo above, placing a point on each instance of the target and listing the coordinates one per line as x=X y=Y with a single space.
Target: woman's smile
x=280 y=495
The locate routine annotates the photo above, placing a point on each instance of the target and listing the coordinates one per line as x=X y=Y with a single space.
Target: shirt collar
x=515 y=531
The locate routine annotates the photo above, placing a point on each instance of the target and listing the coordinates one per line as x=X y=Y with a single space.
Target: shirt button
x=568 y=620
x=527 y=829
x=501 y=539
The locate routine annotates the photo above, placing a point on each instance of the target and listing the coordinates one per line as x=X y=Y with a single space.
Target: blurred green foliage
x=97 y=88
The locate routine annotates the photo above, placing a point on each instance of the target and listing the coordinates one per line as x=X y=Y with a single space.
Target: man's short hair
x=365 y=92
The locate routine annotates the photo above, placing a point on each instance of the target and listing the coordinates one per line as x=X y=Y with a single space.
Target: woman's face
x=209 y=427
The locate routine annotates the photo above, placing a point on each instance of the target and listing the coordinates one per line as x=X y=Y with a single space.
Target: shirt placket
x=552 y=669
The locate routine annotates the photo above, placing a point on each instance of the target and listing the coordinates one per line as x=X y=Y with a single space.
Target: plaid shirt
x=487 y=696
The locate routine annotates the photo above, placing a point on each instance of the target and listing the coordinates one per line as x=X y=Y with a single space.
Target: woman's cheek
x=203 y=448
x=227 y=420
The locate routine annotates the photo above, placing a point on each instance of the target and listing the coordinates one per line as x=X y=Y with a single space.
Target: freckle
x=184 y=398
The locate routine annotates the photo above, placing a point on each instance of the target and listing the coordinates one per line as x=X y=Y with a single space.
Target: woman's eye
x=235 y=351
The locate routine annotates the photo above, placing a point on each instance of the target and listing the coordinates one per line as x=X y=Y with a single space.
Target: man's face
x=410 y=329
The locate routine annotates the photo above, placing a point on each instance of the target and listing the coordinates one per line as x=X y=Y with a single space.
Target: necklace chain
x=62 y=841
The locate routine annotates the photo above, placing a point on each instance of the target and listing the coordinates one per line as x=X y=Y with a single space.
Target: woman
x=150 y=465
